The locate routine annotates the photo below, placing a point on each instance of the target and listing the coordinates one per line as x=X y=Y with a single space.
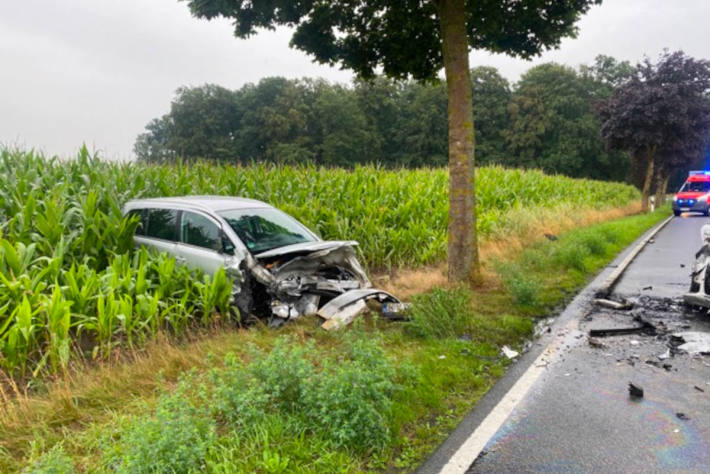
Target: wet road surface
x=578 y=416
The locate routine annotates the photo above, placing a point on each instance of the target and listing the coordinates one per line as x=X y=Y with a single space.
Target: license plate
x=684 y=209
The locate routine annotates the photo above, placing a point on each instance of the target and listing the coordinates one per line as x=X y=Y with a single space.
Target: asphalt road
x=578 y=416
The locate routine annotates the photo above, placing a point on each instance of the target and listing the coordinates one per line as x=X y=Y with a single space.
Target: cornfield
x=72 y=286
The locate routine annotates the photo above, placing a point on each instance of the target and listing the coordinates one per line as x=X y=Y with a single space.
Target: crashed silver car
x=281 y=270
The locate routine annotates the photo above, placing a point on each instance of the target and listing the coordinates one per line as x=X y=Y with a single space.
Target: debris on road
x=682 y=416
x=607 y=303
x=665 y=355
x=698 y=388
x=692 y=342
x=647 y=288
x=635 y=391
x=596 y=343
x=509 y=353
x=645 y=328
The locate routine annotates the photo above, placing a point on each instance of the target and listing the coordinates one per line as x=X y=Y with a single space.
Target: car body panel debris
x=509 y=353
x=281 y=270
x=645 y=328
x=635 y=391
x=613 y=304
x=700 y=276
x=693 y=342
x=341 y=310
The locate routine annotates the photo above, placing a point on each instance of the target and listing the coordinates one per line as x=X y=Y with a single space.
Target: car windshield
x=264 y=229
x=695 y=187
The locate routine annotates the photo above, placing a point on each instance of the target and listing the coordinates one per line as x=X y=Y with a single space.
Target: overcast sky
x=96 y=71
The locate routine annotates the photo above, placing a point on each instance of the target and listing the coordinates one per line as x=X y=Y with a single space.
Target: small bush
x=594 y=241
x=572 y=255
x=350 y=400
x=236 y=398
x=522 y=286
x=441 y=313
x=54 y=461
x=284 y=372
x=175 y=438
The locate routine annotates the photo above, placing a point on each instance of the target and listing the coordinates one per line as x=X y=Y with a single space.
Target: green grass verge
x=377 y=397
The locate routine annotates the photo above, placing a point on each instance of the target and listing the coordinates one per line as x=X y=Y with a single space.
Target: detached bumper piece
x=342 y=310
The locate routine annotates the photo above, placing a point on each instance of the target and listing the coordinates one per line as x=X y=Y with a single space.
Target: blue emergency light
x=696 y=173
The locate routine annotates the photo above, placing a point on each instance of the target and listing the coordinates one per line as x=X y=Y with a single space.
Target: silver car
x=280 y=268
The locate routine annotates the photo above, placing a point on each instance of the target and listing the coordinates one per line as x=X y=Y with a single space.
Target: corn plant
x=68 y=269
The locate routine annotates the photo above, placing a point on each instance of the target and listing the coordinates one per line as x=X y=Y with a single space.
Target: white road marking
x=464 y=457
x=471 y=448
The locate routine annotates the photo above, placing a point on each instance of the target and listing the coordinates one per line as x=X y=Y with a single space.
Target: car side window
x=142 y=215
x=200 y=231
x=161 y=223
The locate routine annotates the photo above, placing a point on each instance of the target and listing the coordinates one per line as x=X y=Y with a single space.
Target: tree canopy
x=411 y=38
x=661 y=116
x=401 y=38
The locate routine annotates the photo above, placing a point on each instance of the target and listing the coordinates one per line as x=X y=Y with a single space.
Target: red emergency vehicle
x=693 y=196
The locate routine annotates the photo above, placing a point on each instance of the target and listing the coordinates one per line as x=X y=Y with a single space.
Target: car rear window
x=161 y=223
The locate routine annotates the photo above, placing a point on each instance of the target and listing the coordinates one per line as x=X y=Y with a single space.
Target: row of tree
x=547 y=120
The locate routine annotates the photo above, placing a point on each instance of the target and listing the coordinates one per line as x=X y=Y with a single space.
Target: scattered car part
x=645 y=328
x=682 y=416
x=509 y=353
x=699 y=293
x=635 y=391
x=692 y=342
x=596 y=343
x=341 y=310
x=607 y=303
x=398 y=312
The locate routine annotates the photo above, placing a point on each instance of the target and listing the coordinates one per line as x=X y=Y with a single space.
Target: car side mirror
x=227 y=245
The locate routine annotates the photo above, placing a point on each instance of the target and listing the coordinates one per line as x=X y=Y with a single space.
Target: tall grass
x=70 y=283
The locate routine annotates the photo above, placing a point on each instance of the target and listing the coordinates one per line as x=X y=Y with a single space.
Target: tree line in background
x=660 y=115
x=547 y=120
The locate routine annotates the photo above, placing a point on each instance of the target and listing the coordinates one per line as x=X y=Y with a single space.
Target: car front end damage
x=323 y=278
x=699 y=294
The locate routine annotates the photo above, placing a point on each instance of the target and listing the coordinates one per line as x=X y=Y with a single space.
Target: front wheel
x=676 y=213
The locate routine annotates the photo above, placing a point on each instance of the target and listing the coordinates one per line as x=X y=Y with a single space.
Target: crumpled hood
x=307 y=247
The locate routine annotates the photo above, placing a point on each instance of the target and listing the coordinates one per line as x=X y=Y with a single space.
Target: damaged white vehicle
x=699 y=294
x=281 y=270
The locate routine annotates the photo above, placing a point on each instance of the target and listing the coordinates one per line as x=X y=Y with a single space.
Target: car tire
x=706 y=212
x=676 y=213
